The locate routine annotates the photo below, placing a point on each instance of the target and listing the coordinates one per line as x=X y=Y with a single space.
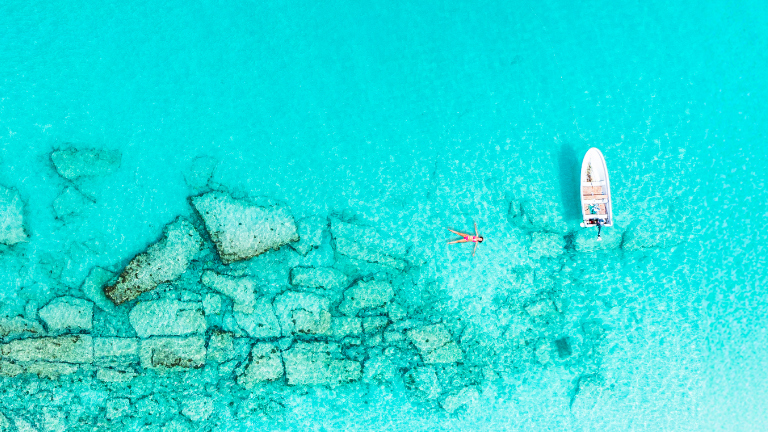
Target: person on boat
x=468 y=238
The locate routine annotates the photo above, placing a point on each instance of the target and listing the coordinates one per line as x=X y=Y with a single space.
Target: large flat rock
x=67 y=314
x=435 y=345
x=364 y=295
x=11 y=217
x=167 y=318
x=172 y=354
x=266 y=364
x=68 y=349
x=242 y=229
x=319 y=364
x=72 y=163
x=164 y=261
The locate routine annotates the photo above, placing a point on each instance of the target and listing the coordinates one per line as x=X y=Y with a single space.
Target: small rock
x=366 y=295
x=346 y=326
x=70 y=349
x=424 y=381
x=212 y=304
x=328 y=278
x=366 y=244
x=374 y=324
x=197 y=408
x=53 y=420
x=11 y=217
x=161 y=353
x=242 y=229
x=67 y=314
x=313 y=364
x=240 y=290
x=10 y=369
x=262 y=323
x=220 y=347
x=16 y=327
x=71 y=202
x=546 y=245
x=265 y=364
x=435 y=345
x=541 y=308
x=543 y=352
x=310 y=232
x=115 y=351
x=454 y=401
x=164 y=261
x=93 y=288
x=200 y=172
x=115 y=375
x=72 y=163
x=117 y=408
x=302 y=313
x=167 y=318
x=396 y=312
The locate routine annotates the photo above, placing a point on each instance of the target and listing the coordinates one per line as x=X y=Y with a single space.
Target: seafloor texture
x=221 y=216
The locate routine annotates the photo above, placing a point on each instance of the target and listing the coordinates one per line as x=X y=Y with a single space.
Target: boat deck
x=594 y=195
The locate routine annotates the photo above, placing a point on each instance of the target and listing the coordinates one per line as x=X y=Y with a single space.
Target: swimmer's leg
x=457 y=233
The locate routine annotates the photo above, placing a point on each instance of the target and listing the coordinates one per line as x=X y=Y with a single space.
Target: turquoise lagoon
x=399 y=119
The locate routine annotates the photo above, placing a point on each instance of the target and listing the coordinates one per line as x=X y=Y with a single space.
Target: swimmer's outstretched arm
x=473 y=250
x=476 y=234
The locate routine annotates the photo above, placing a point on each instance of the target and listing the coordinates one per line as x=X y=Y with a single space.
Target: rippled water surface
x=345 y=138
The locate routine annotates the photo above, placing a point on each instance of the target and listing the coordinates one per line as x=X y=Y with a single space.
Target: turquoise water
x=405 y=118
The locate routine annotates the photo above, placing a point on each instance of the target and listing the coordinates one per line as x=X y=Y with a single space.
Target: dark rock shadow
x=568 y=167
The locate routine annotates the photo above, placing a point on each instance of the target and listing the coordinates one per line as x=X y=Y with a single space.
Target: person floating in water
x=468 y=238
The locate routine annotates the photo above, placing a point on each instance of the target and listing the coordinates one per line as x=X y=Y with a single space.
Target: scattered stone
x=71 y=202
x=240 y=290
x=164 y=261
x=93 y=288
x=167 y=318
x=366 y=295
x=366 y=244
x=543 y=351
x=11 y=217
x=17 y=327
x=200 y=172
x=117 y=408
x=115 y=351
x=396 y=312
x=374 y=324
x=423 y=380
x=67 y=314
x=314 y=364
x=346 y=326
x=328 y=278
x=10 y=369
x=546 y=245
x=162 y=353
x=220 y=347
x=586 y=240
x=262 y=323
x=212 y=304
x=435 y=344
x=72 y=163
x=541 y=308
x=69 y=349
x=302 y=313
x=379 y=369
x=533 y=216
x=242 y=229
x=115 y=375
x=456 y=400
x=310 y=232
x=266 y=364
x=197 y=408
x=51 y=370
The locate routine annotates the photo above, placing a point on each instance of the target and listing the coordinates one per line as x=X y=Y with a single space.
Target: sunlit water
x=409 y=118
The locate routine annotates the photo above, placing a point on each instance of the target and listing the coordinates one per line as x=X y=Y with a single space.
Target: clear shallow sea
x=409 y=117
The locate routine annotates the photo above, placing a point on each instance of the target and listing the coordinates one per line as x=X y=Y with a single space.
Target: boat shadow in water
x=569 y=168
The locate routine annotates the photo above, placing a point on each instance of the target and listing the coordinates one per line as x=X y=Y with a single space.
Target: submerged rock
x=262 y=323
x=72 y=163
x=242 y=229
x=93 y=288
x=11 y=217
x=435 y=344
x=164 y=261
x=366 y=295
x=346 y=326
x=16 y=327
x=69 y=349
x=67 y=314
x=117 y=408
x=424 y=381
x=310 y=232
x=115 y=351
x=51 y=370
x=465 y=396
x=317 y=363
x=302 y=313
x=197 y=408
x=367 y=244
x=240 y=290
x=266 y=364
x=167 y=318
x=71 y=202
x=164 y=353
x=200 y=172
x=318 y=277
x=220 y=347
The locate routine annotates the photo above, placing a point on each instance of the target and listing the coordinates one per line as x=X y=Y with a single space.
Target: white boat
x=596 y=206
